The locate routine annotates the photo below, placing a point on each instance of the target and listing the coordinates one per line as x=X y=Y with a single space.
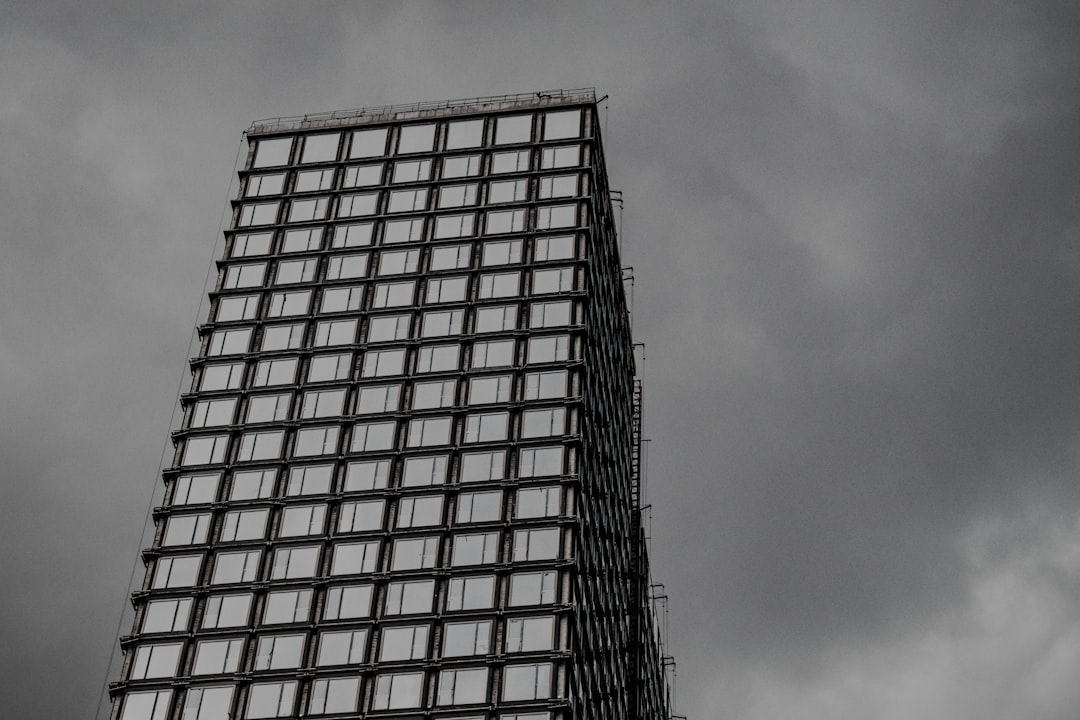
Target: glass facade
x=404 y=485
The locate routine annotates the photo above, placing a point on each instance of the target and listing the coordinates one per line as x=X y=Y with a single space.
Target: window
x=454 y=226
x=377 y=399
x=354 y=235
x=501 y=252
x=477 y=507
x=154 y=661
x=513 y=129
x=224 y=611
x=320 y=148
x=316 y=441
x=287 y=606
x=416 y=138
x=506 y=191
x=543 y=423
x=394 y=294
x=150 y=705
x=530 y=634
x=536 y=544
x=504 y=221
x=270 y=700
x=423 y=471
x=285 y=304
x=212 y=413
x=550 y=314
x=545 y=385
x=537 y=502
x=407 y=642
x=437 y=358
x=560 y=247
x=486 y=427
x=533 y=588
x=347 y=267
x=496 y=318
x=244 y=276
x=471 y=593
x=510 y=162
x=361 y=516
x=358 y=205
x=362 y=176
x=462 y=686
x=311 y=180
x=329 y=333
x=367 y=475
x=234 y=567
x=408 y=597
x=435 y=394
x=222 y=377
x=560 y=157
x=527 y=682
x=301 y=520
x=422 y=511
x=283 y=337
x=334 y=695
x=207 y=703
x=368 y=143
x=203 y=450
x=495 y=388
x=461 y=639
x=260 y=445
x=186 y=529
x=295 y=562
x=229 y=342
x=308 y=210
x=322 y=403
x=461 y=166
x=561 y=125
x=407 y=200
x=412 y=171
x=475 y=549
x=452 y=289
x=493 y=353
x=451 y=196
x=556 y=216
x=258 y=185
x=258 y=214
x=249 y=244
x=214 y=657
x=244 y=525
x=450 y=257
x=294 y=271
x=195 y=489
x=541 y=462
x=389 y=327
x=367 y=437
x=277 y=652
x=269 y=153
x=341 y=648
x=399 y=261
x=398 y=690
x=357 y=557
x=442 y=323
x=415 y=553
x=166 y=615
x=558 y=186
x=345 y=602
x=483 y=466
x=464 y=134
x=252 y=484
x=552 y=280
x=309 y=480
x=279 y=371
x=403 y=231
x=324 y=368
x=268 y=408
x=237 y=307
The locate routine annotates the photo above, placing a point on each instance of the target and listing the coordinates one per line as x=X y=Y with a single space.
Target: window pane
x=269 y=153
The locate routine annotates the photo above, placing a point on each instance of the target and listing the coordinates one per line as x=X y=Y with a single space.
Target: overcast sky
x=855 y=231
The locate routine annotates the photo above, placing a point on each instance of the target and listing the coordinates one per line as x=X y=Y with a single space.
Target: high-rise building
x=406 y=481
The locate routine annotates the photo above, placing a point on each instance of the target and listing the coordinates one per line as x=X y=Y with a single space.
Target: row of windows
x=415 y=138
x=414 y=511
x=385 y=295
x=416 y=471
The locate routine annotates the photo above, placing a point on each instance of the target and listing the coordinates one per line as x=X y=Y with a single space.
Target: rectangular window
x=408 y=597
x=283 y=337
x=279 y=371
x=225 y=611
x=353 y=235
x=294 y=271
x=155 y=661
x=462 y=686
x=550 y=314
x=397 y=691
x=412 y=171
x=320 y=148
x=537 y=502
x=486 y=427
x=461 y=166
x=426 y=432
x=316 y=441
x=205 y=450
x=342 y=299
x=533 y=588
x=455 y=226
x=475 y=549
x=547 y=422
x=407 y=200
x=536 y=544
x=166 y=615
x=510 y=162
x=367 y=475
x=186 y=529
x=287 y=606
x=540 y=462
x=494 y=388
x=272 y=152
x=176 y=571
x=213 y=413
x=279 y=652
x=347 y=267
x=403 y=231
x=462 y=639
x=295 y=562
x=377 y=399
x=438 y=358
x=496 y=318
x=229 y=342
x=322 y=403
x=312 y=180
x=423 y=471
x=442 y=323
x=464 y=134
x=265 y=445
x=346 y=602
x=244 y=525
x=342 y=648
x=504 y=221
x=483 y=466
x=308 y=210
x=511 y=129
x=527 y=682
x=362 y=176
x=450 y=257
x=435 y=394
x=471 y=593
x=368 y=143
x=258 y=214
x=358 y=205
x=207 y=703
x=452 y=196
x=493 y=353
x=560 y=157
x=252 y=484
x=560 y=247
x=552 y=280
x=302 y=520
x=424 y=511
x=408 y=642
x=235 y=567
x=195 y=489
x=477 y=507
x=148 y=705
x=270 y=700
x=561 y=125
x=558 y=186
x=382 y=328
x=237 y=307
x=501 y=252
x=309 y=480
x=556 y=216
x=329 y=333
x=368 y=437
x=394 y=294
x=331 y=696
x=399 y=261
x=506 y=191
x=250 y=244
x=222 y=377
x=361 y=516
x=447 y=289
x=545 y=385
x=286 y=304
x=416 y=138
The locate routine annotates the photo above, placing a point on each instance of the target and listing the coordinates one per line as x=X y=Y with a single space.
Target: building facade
x=405 y=485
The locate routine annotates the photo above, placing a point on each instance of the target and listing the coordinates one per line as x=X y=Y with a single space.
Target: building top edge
x=423 y=110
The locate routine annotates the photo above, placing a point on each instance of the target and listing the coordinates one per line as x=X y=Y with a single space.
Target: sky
x=853 y=226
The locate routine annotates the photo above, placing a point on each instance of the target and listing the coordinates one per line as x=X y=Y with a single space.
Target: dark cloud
x=853 y=231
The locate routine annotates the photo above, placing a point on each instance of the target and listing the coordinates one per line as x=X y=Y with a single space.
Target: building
x=406 y=483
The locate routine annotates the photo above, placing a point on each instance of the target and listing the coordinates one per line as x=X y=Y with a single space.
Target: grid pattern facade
x=401 y=488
